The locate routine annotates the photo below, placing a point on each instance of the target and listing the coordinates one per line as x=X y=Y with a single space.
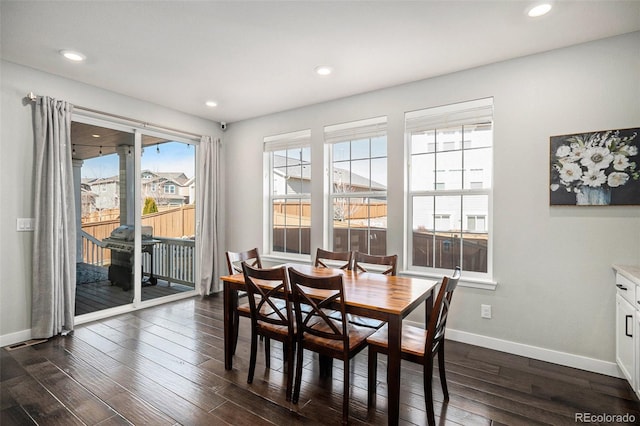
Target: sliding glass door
x=135 y=204
x=167 y=188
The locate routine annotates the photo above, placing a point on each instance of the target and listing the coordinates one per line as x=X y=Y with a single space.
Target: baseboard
x=534 y=352
x=13 y=338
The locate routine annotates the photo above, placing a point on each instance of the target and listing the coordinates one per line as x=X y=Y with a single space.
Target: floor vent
x=25 y=344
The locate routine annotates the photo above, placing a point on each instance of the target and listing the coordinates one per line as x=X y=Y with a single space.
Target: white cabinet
x=637 y=325
x=625 y=345
x=628 y=323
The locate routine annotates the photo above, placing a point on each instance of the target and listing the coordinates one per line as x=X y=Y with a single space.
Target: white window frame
x=346 y=132
x=292 y=140
x=463 y=113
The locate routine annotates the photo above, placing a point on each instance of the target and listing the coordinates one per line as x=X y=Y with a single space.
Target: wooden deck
x=95 y=293
x=164 y=366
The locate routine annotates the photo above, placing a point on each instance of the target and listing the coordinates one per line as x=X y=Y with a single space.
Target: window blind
x=284 y=141
x=360 y=129
x=473 y=112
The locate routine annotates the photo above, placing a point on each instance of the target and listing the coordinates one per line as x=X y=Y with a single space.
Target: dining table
x=384 y=297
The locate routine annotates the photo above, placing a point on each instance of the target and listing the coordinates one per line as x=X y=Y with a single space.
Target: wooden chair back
x=266 y=289
x=324 y=255
x=438 y=320
x=314 y=319
x=235 y=259
x=361 y=262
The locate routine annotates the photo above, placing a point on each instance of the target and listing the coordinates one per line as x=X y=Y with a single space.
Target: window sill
x=280 y=258
x=469 y=282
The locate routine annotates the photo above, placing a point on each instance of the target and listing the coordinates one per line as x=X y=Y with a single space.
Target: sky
x=173 y=157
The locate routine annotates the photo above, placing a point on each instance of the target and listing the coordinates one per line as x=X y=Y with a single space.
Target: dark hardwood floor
x=164 y=365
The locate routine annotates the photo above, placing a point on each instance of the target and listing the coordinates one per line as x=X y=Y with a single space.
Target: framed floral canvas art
x=598 y=168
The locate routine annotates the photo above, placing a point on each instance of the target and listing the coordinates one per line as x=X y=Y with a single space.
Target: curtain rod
x=32 y=97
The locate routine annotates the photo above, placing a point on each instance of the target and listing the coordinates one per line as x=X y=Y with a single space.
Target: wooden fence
x=172 y=223
x=176 y=222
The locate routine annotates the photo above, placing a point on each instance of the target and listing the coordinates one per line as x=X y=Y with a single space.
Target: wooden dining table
x=383 y=297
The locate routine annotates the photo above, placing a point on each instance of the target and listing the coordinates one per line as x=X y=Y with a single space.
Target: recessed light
x=323 y=70
x=211 y=104
x=539 y=10
x=73 y=55
x=95 y=136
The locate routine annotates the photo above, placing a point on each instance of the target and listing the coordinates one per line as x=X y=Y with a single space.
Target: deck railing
x=173 y=258
x=93 y=251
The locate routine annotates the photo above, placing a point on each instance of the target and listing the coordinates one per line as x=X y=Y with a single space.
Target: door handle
x=626 y=325
x=621 y=287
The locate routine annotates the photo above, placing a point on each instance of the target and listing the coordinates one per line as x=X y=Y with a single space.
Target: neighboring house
x=291 y=177
x=106 y=190
x=88 y=199
x=167 y=188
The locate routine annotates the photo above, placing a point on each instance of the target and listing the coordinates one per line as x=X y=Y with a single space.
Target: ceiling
x=91 y=141
x=258 y=57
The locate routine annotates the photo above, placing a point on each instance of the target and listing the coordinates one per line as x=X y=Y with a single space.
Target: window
x=288 y=158
x=169 y=189
x=450 y=189
x=477 y=223
x=358 y=185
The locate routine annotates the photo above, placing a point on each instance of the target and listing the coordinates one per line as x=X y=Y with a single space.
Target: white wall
x=16 y=173
x=555 y=294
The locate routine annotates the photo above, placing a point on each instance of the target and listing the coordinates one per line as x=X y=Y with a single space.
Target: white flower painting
x=598 y=168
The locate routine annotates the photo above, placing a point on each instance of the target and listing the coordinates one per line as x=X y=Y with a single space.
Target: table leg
x=428 y=308
x=228 y=325
x=393 y=369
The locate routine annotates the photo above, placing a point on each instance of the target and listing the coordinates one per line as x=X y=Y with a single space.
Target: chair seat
x=365 y=322
x=356 y=319
x=281 y=330
x=413 y=340
x=357 y=337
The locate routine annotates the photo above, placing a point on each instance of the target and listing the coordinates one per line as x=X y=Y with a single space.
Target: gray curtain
x=54 y=240
x=207 y=182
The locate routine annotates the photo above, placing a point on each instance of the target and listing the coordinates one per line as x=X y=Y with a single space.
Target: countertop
x=631 y=272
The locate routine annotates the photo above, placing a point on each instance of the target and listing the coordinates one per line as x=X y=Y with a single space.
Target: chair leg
x=267 y=352
x=428 y=390
x=290 y=354
x=373 y=379
x=236 y=329
x=254 y=351
x=345 y=393
x=443 y=378
x=326 y=366
x=296 y=389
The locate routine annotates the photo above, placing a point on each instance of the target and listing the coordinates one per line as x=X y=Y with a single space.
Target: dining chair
x=266 y=288
x=317 y=332
x=323 y=255
x=234 y=266
x=419 y=346
x=362 y=261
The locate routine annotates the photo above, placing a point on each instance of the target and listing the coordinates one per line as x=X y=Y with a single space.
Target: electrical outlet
x=485 y=311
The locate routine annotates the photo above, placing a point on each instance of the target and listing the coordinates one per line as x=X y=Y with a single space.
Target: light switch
x=25 y=224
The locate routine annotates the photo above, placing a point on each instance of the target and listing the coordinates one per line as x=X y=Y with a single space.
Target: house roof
x=340 y=175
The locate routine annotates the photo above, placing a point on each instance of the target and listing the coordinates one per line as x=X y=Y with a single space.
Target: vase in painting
x=593 y=196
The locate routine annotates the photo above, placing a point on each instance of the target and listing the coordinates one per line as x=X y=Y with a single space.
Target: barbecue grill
x=121 y=244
